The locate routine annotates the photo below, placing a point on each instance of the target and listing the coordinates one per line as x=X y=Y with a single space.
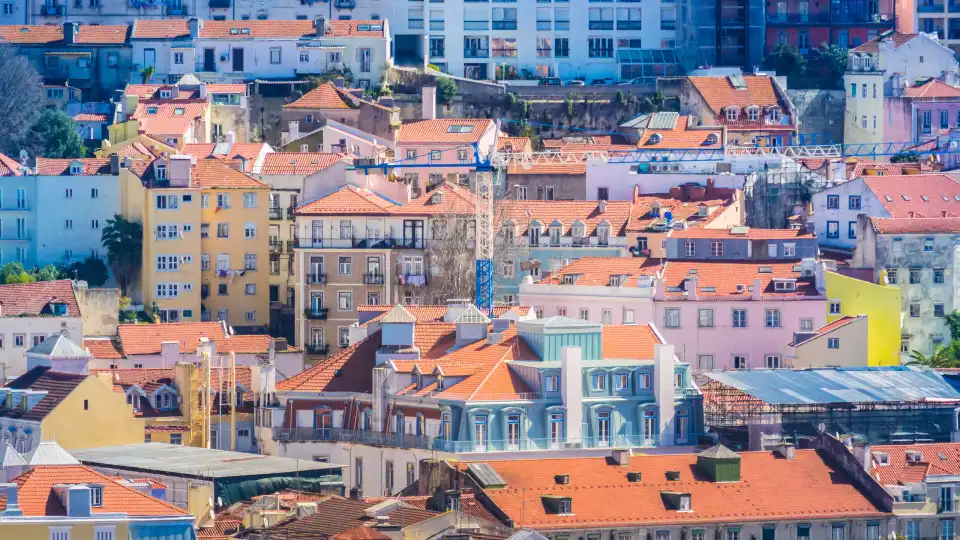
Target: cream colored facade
x=845 y=346
x=205 y=249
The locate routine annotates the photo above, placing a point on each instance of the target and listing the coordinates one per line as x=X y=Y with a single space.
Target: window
x=739 y=318
x=19 y=340
x=621 y=381
x=833 y=201
x=223 y=200
x=584 y=314
x=104 y=532
x=521 y=193
x=938 y=275
x=705 y=318
x=716 y=249
x=599 y=382
x=772 y=361
x=689 y=248
x=176 y=438
x=833 y=343
x=837 y=531
x=249 y=230
x=772 y=318
x=803 y=532
x=891 y=276
x=927 y=245
x=561 y=46
x=833 y=229
x=946 y=525
x=600 y=47
x=95 y=224
x=345 y=301
x=671 y=318
x=345 y=266
x=835 y=307
x=250 y=261
x=789 y=250
x=68 y=224
x=249 y=200
x=852 y=230
x=60 y=533
x=914 y=275
x=914 y=310
x=938 y=310
x=275 y=55
x=552 y=383
x=739 y=361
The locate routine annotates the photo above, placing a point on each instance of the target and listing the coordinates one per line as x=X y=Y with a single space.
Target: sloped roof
x=719 y=451
x=398 y=314
x=443 y=131
x=9 y=166
x=597 y=271
x=337 y=514
x=827 y=328
x=932 y=88
x=168 y=117
x=324 y=97
x=899 y=39
x=147 y=339
x=916 y=195
x=680 y=135
x=86 y=34
x=57 y=385
x=522 y=213
x=10 y=457
x=931 y=225
x=61 y=167
x=602 y=496
x=433 y=313
x=160 y=29
x=58 y=346
x=215 y=173
x=31 y=299
x=719 y=92
x=351 y=200
x=49 y=453
x=936 y=459
x=725 y=276
x=104 y=348
x=229 y=152
x=299 y=162
x=629 y=341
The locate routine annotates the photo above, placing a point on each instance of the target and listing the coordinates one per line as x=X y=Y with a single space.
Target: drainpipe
x=233 y=398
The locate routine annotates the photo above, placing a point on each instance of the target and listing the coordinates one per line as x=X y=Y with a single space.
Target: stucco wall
x=93 y=403
x=13 y=360
x=99 y=311
x=821 y=111
x=852 y=350
x=881 y=305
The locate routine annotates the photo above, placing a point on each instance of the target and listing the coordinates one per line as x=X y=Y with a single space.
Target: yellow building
x=43 y=404
x=73 y=502
x=850 y=296
x=205 y=250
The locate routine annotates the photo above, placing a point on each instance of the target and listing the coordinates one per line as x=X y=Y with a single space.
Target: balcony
x=318 y=348
x=373 y=279
x=476 y=25
x=51 y=11
x=275 y=246
x=436 y=25
x=276 y=213
x=504 y=25
x=786 y=19
x=601 y=25
x=289 y=245
x=865 y=17
x=316 y=279
x=177 y=11
x=412 y=280
x=345 y=4
x=505 y=53
x=636 y=25
x=668 y=25
x=580 y=241
x=360 y=243
x=415 y=24
x=927 y=7
x=544 y=25
x=476 y=53
x=315 y=314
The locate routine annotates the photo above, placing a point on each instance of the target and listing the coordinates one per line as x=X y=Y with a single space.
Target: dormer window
x=419 y=380
x=914 y=456
x=166 y=94
x=161 y=171
x=76 y=169
x=439 y=382
x=603 y=234
x=856 y=62
x=570 y=279
x=579 y=230
x=882 y=458
x=616 y=281
x=152 y=110
x=703 y=211
x=437 y=197
x=774 y=114
x=553 y=504
x=732 y=114
x=533 y=233
x=713 y=139
x=96 y=495
x=655 y=138
x=655 y=209
x=753 y=113
x=783 y=285
x=58 y=309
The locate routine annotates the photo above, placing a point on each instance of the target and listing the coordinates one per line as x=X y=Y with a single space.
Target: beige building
x=368 y=243
x=331 y=101
x=842 y=342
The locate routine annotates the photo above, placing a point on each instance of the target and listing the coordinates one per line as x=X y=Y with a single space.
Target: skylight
x=245 y=31
x=956 y=197
x=178 y=111
x=234 y=31
x=888 y=198
x=152 y=110
x=459 y=128
x=765 y=270
x=905 y=197
x=925 y=199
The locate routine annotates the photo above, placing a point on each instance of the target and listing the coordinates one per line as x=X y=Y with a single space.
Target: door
x=149 y=58
x=603 y=429
x=317 y=233
x=209 y=60
x=238 y=60
x=480 y=433
x=373 y=268
x=556 y=430
x=324 y=424
x=366 y=59
x=513 y=432
x=316 y=303
x=649 y=428
x=413 y=233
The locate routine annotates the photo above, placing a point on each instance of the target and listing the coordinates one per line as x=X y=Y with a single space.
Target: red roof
x=352 y=200
x=285 y=29
x=725 y=277
x=751 y=233
x=917 y=195
x=428 y=313
x=873 y=46
x=105 y=348
x=602 y=496
x=282 y=163
x=325 y=97
x=548 y=168
x=214 y=88
x=9 y=166
x=160 y=29
x=215 y=173
x=227 y=152
x=86 y=34
x=513 y=144
x=629 y=341
x=32 y=299
x=719 y=93
x=523 y=213
x=597 y=271
x=146 y=338
x=827 y=328
x=935 y=459
x=681 y=136
x=945 y=225
x=61 y=167
x=159 y=376
x=90 y=117
x=932 y=88
x=36 y=496
x=168 y=117
x=443 y=131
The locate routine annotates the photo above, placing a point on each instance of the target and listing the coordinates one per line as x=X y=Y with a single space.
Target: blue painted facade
x=551 y=258
x=742 y=249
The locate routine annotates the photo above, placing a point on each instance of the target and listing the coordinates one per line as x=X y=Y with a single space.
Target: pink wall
x=897 y=120
x=723 y=341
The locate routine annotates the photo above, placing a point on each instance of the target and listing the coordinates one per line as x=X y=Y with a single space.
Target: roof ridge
x=493 y=368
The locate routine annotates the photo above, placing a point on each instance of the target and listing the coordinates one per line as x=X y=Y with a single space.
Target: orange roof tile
x=145 y=376
x=299 y=162
x=900 y=471
x=215 y=173
x=37 y=498
x=917 y=195
x=516 y=145
x=324 y=97
x=61 y=167
x=105 y=348
x=597 y=271
x=441 y=131
x=753 y=233
x=522 y=213
x=725 y=277
x=932 y=88
x=243 y=151
x=859 y=168
x=213 y=88
x=9 y=166
x=681 y=136
x=168 y=118
x=446 y=199
x=90 y=117
x=348 y=200
x=160 y=29
x=719 y=93
x=33 y=299
x=629 y=341
x=428 y=313
x=602 y=496
x=146 y=338
x=899 y=39
x=86 y=34
x=686 y=211
x=942 y=225
x=549 y=168
x=285 y=29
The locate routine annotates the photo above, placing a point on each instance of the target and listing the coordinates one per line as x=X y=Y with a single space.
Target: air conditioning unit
x=741 y=288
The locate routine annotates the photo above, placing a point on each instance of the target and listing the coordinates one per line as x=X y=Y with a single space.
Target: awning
x=67 y=53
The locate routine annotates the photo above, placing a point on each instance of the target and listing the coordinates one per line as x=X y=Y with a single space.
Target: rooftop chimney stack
x=13 y=504
x=429 y=96
x=321 y=25
x=70 y=31
x=195 y=25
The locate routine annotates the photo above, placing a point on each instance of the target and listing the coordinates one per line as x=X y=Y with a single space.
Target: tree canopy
x=123 y=240
x=52 y=135
x=20 y=97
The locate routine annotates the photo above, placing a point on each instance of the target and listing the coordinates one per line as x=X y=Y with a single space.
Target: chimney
x=664 y=362
x=429 y=101
x=195 y=26
x=355 y=493
x=170 y=353
x=203 y=91
x=70 y=31
x=690 y=286
x=321 y=25
x=621 y=456
x=13 y=505
x=127 y=162
x=787 y=451
x=339 y=82
x=179 y=170
x=78 y=500
x=757 y=290
x=571 y=389
x=293 y=131
x=710 y=188
x=231 y=137
x=386 y=101
x=115 y=164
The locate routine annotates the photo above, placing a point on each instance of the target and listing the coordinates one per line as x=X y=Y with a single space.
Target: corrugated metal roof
x=840 y=385
x=663 y=120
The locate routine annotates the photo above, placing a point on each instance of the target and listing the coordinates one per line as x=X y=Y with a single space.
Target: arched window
x=655 y=138
x=753 y=113
x=732 y=114
x=713 y=139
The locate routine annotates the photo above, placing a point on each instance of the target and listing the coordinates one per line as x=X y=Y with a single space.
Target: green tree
x=92 y=270
x=529 y=132
x=944 y=356
x=146 y=74
x=20 y=97
x=446 y=89
x=905 y=157
x=828 y=65
x=52 y=135
x=787 y=61
x=47 y=273
x=953 y=321
x=13 y=272
x=123 y=240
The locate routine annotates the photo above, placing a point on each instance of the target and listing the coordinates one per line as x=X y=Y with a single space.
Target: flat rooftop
x=193 y=462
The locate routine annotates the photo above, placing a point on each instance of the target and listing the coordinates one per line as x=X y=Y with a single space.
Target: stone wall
x=99 y=310
x=821 y=114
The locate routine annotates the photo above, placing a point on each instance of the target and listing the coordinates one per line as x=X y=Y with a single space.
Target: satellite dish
x=821 y=427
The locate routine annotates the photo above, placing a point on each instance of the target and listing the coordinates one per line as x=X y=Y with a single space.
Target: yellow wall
x=107 y=419
x=80 y=530
x=122 y=131
x=881 y=305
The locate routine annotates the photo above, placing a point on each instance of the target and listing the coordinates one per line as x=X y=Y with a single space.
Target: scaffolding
x=731 y=412
x=771 y=195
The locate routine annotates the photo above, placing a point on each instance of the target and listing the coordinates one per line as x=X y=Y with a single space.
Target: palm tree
x=146 y=73
x=123 y=240
x=941 y=357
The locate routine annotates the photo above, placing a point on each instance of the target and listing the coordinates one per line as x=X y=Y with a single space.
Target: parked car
x=551 y=81
x=607 y=81
x=575 y=82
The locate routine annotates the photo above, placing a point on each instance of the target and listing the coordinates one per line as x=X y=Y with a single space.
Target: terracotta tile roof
x=826 y=329
x=324 y=97
x=726 y=276
x=87 y=34
x=468 y=505
x=945 y=456
x=147 y=338
x=36 y=496
x=942 y=225
x=61 y=167
x=168 y=118
x=858 y=168
x=215 y=173
x=681 y=136
x=337 y=514
x=57 y=386
x=445 y=199
x=589 y=143
x=932 y=88
x=90 y=117
x=419 y=132
x=925 y=195
x=549 y=168
x=428 y=313
x=602 y=496
x=9 y=166
x=873 y=46
x=641 y=216
x=719 y=93
x=597 y=271
x=213 y=88
x=146 y=377
x=104 y=348
x=152 y=92
x=361 y=533
x=26 y=299
x=351 y=200
x=351 y=370
x=629 y=341
x=517 y=145
x=351 y=28
x=160 y=29
x=228 y=153
x=299 y=162
x=752 y=233
x=522 y=213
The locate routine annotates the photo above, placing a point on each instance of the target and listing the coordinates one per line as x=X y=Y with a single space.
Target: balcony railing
x=601 y=25
x=413 y=280
x=276 y=213
x=318 y=348
x=857 y=17
x=476 y=53
x=797 y=18
x=275 y=246
x=289 y=245
x=361 y=243
x=317 y=279
x=177 y=11
x=637 y=25
x=425 y=442
x=317 y=314
x=415 y=24
x=51 y=11
x=579 y=241
x=373 y=279
x=561 y=25
x=544 y=25
x=504 y=25
x=668 y=25
x=936 y=7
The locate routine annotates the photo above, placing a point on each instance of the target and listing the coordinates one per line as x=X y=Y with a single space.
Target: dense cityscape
x=304 y=269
